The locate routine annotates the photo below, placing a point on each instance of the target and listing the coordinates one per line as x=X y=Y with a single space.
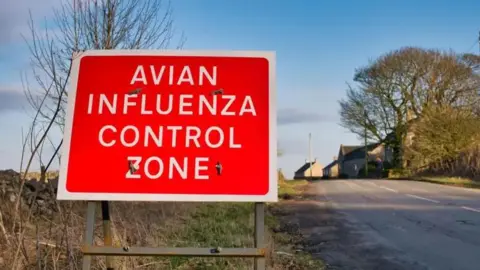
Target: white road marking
x=386 y=188
x=354 y=185
x=349 y=184
x=359 y=186
x=471 y=209
x=448 y=187
x=389 y=189
x=372 y=183
x=422 y=198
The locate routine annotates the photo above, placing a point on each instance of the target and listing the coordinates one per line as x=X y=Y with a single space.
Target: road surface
x=386 y=224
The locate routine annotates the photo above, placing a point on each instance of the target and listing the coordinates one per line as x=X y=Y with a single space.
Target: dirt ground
x=329 y=236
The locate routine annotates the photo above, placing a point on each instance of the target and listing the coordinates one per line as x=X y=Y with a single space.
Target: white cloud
x=12 y=101
x=295 y=116
x=12 y=98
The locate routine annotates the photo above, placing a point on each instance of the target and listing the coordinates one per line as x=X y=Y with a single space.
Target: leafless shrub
x=51 y=239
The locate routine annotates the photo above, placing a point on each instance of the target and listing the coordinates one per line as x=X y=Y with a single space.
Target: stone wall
x=40 y=196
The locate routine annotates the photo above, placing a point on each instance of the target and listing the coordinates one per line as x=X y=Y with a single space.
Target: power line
x=476 y=42
x=473 y=45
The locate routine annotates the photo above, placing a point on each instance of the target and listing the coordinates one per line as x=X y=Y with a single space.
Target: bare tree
x=81 y=25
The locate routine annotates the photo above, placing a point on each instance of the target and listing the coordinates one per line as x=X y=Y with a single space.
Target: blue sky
x=318 y=45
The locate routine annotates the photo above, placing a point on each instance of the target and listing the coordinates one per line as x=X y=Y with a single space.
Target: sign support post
x=107 y=232
x=89 y=234
x=89 y=249
x=259 y=263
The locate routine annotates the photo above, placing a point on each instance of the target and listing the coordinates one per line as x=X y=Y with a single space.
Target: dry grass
x=463 y=171
x=466 y=165
x=37 y=175
x=452 y=181
x=37 y=238
x=288 y=188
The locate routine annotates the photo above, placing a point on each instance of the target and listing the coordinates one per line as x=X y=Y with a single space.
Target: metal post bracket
x=168 y=251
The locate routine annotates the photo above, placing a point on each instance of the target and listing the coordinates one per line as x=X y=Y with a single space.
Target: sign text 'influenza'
x=142 y=103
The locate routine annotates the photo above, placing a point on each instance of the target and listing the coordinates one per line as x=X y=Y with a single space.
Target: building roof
x=333 y=163
x=305 y=167
x=348 y=151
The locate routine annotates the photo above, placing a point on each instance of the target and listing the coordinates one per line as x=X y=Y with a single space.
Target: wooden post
x=107 y=233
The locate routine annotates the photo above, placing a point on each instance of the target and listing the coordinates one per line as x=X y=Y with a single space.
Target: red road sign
x=170 y=126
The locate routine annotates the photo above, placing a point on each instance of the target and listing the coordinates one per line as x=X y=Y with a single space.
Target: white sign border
x=271 y=196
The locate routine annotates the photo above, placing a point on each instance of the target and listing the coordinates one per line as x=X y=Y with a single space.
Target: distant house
x=309 y=171
x=331 y=170
x=351 y=159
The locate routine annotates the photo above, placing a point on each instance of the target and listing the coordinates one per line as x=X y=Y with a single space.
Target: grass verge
x=291 y=189
x=232 y=225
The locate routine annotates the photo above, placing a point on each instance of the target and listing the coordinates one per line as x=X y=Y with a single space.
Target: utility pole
x=365 y=138
x=310 y=154
x=405 y=139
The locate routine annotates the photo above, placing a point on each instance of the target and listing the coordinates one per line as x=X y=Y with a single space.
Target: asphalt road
x=406 y=224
